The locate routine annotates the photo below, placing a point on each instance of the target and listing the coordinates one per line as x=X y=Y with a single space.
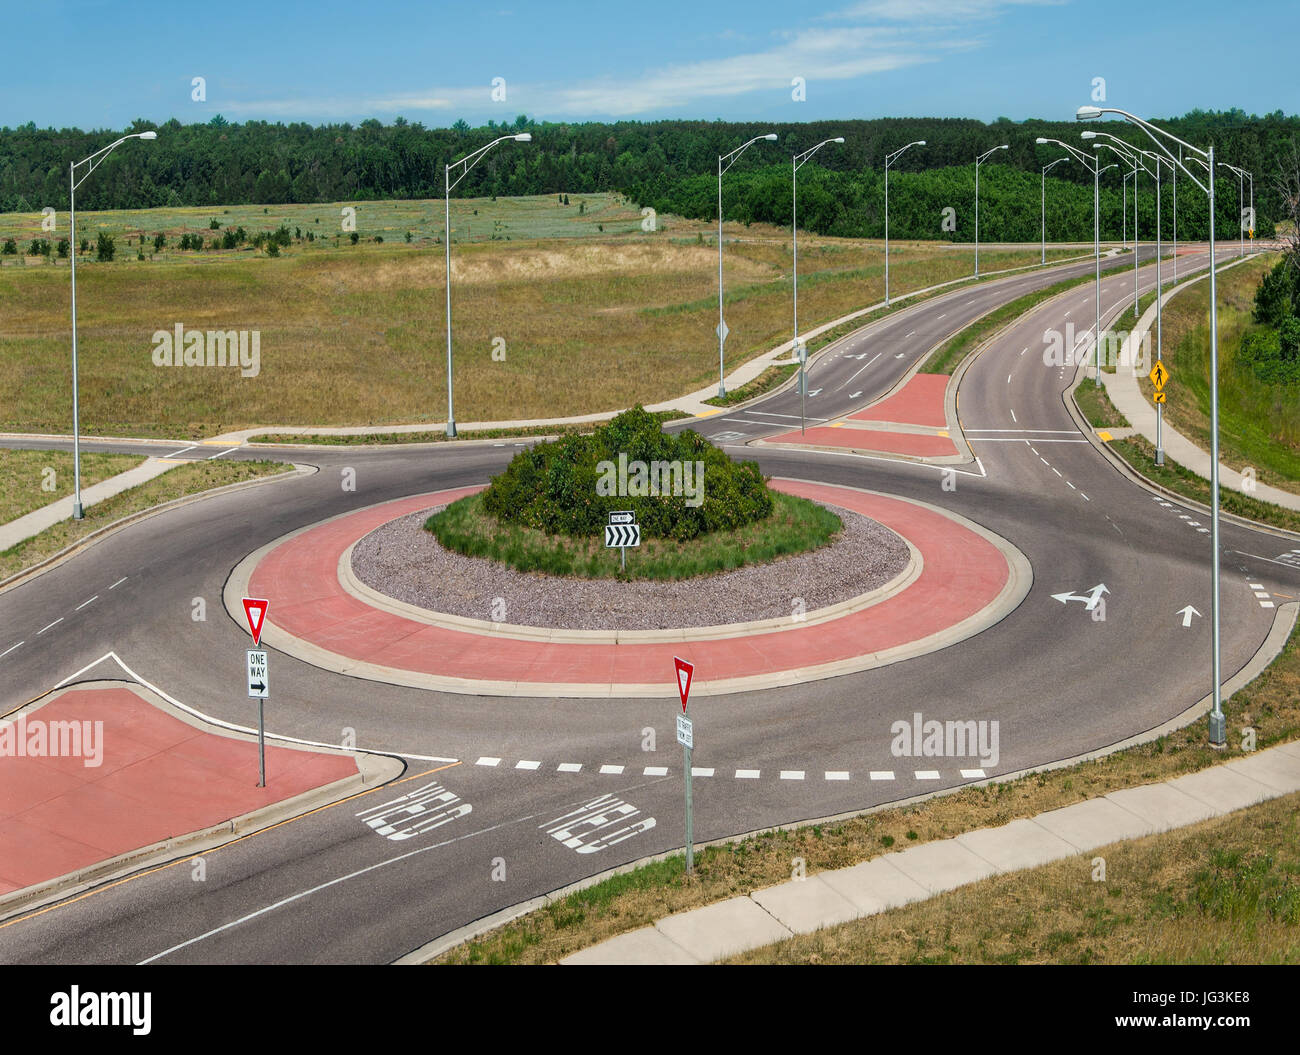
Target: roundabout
x=961 y=578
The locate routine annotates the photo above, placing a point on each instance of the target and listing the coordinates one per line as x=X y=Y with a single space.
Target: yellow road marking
x=1104 y=436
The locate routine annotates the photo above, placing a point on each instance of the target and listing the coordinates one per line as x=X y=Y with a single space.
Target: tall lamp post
x=889 y=160
x=1093 y=164
x=74 y=181
x=1218 y=723
x=1046 y=168
x=796 y=162
x=462 y=167
x=725 y=161
x=1129 y=153
x=1242 y=176
x=979 y=161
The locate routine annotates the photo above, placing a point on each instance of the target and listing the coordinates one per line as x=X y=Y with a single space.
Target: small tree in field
x=104 y=247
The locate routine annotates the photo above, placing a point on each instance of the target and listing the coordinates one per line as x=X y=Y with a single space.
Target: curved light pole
x=75 y=181
x=1242 y=176
x=978 y=161
x=730 y=160
x=463 y=165
x=1093 y=164
x=1129 y=153
x=1046 y=168
x=889 y=160
x=1218 y=723
x=796 y=162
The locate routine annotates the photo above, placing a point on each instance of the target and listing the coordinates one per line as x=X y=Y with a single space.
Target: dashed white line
x=181 y=451
x=569 y=767
x=1008 y=379
x=972 y=774
x=655 y=771
x=1044 y=461
x=220 y=453
x=882 y=774
x=1055 y=470
x=611 y=770
x=1084 y=497
x=118 y=583
x=10 y=649
x=747 y=774
x=701 y=771
x=45 y=628
x=912 y=334
x=84 y=603
x=792 y=774
x=836 y=774
x=488 y=761
x=926 y=774
x=1013 y=417
x=1070 y=486
x=527 y=764
x=1266 y=604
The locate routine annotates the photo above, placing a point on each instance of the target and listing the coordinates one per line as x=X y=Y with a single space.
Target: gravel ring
x=405 y=562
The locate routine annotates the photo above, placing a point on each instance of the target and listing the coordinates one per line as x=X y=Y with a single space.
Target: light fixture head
x=148 y=135
x=1041 y=141
x=1088 y=135
x=1087 y=113
x=524 y=137
x=1004 y=146
x=838 y=139
x=770 y=137
x=919 y=143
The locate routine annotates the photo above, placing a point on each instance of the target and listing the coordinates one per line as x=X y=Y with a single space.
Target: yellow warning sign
x=1159 y=397
x=1159 y=375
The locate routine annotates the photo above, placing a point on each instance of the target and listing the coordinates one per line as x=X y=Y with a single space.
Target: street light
x=978 y=161
x=1243 y=175
x=74 y=182
x=1046 y=168
x=796 y=162
x=1217 y=724
x=1129 y=153
x=464 y=165
x=889 y=160
x=1093 y=164
x=730 y=160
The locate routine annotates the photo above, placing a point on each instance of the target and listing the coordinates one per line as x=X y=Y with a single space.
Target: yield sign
x=1159 y=375
x=685 y=671
x=255 y=613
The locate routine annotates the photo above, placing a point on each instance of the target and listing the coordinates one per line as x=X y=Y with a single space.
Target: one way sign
x=622 y=535
x=259 y=687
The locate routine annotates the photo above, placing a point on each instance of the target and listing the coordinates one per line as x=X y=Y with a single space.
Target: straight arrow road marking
x=1187 y=614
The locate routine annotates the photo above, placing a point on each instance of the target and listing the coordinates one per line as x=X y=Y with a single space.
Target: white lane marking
x=611 y=770
x=655 y=771
x=854 y=395
x=487 y=760
x=1008 y=379
x=1032 y=432
x=913 y=333
x=220 y=453
x=1044 y=461
x=84 y=603
x=1070 y=486
x=1255 y=585
x=1023 y=350
x=586 y=828
x=1266 y=604
x=433 y=804
x=1084 y=497
x=1056 y=470
x=882 y=774
x=1260 y=594
x=836 y=774
x=926 y=774
x=859 y=370
x=223 y=724
x=569 y=767
x=1016 y=439
x=11 y=648
x=941 y=316
x=1067 y=315
x=117 y=584
x=1013 y=416
x=181 y=451
x=701 y=771
x=45 y=628
x=792 y=774
x=747 y=774
x=527 y=764
x=973 y=774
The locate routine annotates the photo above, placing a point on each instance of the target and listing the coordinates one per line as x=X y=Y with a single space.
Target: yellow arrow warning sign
x=1159 y=375
x=1159 y=397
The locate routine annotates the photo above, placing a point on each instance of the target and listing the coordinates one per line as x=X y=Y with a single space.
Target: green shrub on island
x=679 y=485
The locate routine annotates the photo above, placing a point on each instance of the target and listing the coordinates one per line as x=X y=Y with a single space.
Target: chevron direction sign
x=622 y=535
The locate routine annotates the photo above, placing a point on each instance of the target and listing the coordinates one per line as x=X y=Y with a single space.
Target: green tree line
x=667 y=162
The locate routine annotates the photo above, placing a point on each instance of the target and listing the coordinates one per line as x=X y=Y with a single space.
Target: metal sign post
x=622 y=531
x=258 y=689
x=686 y=737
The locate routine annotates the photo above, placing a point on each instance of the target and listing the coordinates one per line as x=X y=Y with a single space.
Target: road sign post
x=1159 y=378
x=686 y=737
x=259 y=682
x=622 y=531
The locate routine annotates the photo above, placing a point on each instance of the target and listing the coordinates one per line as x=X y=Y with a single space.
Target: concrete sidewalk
x=693 y=403
x=1123 y=389
x=38 y=520
x=715 y=932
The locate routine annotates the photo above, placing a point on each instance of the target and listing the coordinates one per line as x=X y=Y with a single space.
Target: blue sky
x=435 y=61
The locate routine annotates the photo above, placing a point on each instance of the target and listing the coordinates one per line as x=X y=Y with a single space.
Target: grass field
x=795 y=526
x=582 y=320
x=186 y=479
x=26 y=475
x=1270 y=705
x=1259 y=425
x=1223 y=891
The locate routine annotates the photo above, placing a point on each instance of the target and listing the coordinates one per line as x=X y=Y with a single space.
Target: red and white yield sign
x=685 y=671
x=255 y=613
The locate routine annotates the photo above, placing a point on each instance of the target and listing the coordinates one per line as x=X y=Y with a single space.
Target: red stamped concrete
x=962 y=574
x=918 y=444
x=159 y=777
x=919 y=402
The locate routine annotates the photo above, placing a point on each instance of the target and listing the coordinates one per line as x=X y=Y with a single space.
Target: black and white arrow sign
x=622 y=535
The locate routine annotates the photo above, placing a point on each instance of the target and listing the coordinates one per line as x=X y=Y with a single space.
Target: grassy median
x=32 y=479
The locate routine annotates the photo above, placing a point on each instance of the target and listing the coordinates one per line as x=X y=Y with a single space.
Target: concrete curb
x=1018 y=584
x=99 y=534
x=1284 y=621
x=374 y=770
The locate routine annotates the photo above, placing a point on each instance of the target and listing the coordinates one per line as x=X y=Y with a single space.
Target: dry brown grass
x=23 y=475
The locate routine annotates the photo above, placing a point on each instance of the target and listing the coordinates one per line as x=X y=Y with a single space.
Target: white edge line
x=220 y=453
